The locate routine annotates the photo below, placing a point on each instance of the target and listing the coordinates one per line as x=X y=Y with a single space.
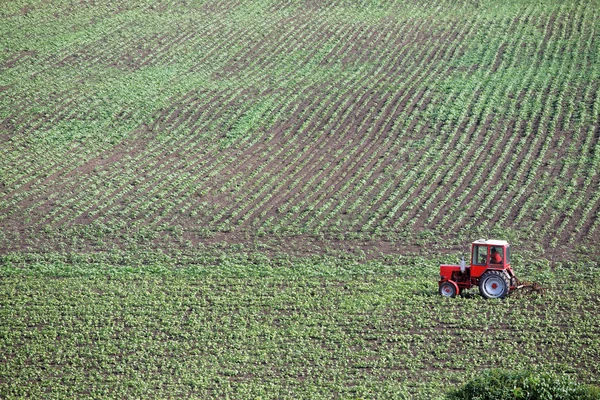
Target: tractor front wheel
x=494 y=285
x=447 y=289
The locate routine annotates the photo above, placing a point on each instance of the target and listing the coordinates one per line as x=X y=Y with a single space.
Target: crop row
x=311 y=122
x=370 y=335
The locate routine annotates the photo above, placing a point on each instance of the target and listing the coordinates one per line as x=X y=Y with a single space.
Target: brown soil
x=328 y=161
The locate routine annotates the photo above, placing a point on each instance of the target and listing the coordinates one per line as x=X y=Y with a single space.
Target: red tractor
x=489 y=269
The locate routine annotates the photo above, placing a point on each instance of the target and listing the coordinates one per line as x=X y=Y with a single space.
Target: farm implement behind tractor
x=489 y=269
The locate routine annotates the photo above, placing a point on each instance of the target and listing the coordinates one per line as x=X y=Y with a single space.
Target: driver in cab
x=495 y=257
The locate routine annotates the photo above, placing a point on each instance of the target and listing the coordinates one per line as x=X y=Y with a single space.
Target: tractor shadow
x=465 y=294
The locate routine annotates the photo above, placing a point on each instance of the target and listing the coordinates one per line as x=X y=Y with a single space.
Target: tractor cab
x=489 y=268
x=486 y=254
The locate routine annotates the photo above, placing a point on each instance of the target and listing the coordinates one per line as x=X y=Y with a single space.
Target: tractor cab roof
x=502 y=243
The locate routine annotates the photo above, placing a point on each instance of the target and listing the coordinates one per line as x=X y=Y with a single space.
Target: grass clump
x=526 y=385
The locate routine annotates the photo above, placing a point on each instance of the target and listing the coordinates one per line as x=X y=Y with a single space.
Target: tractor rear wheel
x=494 y=285
x=447 y=289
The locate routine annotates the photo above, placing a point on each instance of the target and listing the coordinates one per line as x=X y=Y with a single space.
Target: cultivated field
x=211 y=198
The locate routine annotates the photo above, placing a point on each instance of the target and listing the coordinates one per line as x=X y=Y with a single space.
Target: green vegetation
x=279 y=328
x=499 y=385
x=382 y=120
x=213 y=198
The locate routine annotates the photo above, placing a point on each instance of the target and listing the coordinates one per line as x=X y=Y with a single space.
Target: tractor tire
x=494 y=285
x=447 y=289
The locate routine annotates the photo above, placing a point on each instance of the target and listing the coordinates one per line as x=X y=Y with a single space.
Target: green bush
x=526 y=385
